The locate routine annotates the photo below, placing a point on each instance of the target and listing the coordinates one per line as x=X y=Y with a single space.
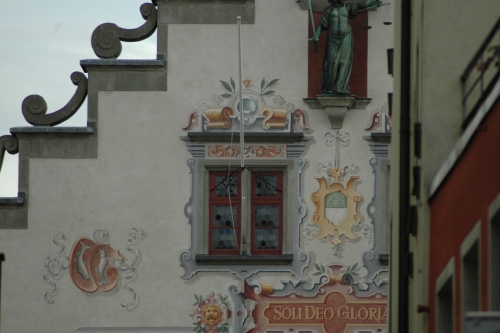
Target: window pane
x=267 y=239
x=226 y=186
x=221 y=216
x=266 y=186
x=267 y=216
x=223 y=239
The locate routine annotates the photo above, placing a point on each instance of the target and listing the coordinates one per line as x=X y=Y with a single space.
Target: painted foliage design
x=211 y=313
x=226 y=107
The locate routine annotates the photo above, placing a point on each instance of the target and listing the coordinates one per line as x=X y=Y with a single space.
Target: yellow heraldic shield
x=336 y=207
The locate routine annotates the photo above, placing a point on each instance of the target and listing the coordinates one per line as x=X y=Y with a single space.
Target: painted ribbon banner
x=335 y=313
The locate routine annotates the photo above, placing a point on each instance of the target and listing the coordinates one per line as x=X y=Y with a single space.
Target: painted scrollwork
x=219 y=117
x=55 y=265
x=136 y=235
x=93 y=265
x=225 y=151
x=106 y=37
x=34 y=107
x=10 y=144
x=274 y=118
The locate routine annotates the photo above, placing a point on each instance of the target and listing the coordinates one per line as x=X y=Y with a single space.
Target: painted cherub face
x=211 y=314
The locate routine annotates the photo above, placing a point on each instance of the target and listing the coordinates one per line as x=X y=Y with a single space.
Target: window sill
x=206 y=259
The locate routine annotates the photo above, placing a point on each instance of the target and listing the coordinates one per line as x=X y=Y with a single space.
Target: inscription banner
x=331 y=306
x=334 y=313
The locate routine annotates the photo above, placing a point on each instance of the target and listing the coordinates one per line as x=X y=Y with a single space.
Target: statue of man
x=338 y=54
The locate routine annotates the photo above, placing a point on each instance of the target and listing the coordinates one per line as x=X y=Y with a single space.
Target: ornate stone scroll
x=10 y=144
x=34 y=107
x=107 y=36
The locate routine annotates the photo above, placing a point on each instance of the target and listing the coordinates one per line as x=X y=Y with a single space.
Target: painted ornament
x=211 y=314
x=336 y=207
x=91 y=265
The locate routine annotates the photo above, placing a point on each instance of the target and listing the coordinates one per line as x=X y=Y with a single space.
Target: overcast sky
x=41 y=44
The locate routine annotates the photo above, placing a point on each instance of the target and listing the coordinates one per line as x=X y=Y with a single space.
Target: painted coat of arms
x=91 y=266
x=94 y=266
x=336 y=207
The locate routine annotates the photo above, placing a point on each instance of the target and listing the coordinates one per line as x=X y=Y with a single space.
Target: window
x=469 y=251
x=260 y=233
x=445 y=299
x=444 y=317
x=494 y=253
x=228 y=232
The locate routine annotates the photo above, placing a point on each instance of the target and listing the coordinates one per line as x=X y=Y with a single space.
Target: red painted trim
x=223 y=201
x=267 y=201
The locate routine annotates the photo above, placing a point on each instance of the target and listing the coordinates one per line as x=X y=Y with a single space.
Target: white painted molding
x=447 y=272
x=464 y=140
x=473 y=236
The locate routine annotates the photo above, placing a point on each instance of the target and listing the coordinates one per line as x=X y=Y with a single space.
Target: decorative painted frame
x=353 y=197
x=293 y=259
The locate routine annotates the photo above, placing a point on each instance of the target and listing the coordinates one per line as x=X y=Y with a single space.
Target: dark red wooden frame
x=224 y=201
x=236 y=202
x=267 y=201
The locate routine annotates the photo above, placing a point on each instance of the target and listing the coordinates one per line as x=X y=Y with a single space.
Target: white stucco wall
x=140 y=178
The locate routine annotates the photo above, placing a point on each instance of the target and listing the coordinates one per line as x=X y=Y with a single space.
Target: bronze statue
x=338 y=54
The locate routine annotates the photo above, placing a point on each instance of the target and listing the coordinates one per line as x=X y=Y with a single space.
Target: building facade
x=157 y=217
x=445 y=190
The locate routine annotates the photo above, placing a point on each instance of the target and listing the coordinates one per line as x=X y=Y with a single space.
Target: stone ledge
x=381 y=137
x=384 y=259
x=133 y=330
x=336 y=107
x=321 y=5
x=206 y=259
x=11 y=202
x=249 y=137
x=126 y=75
x=205 y=12
x=49 y=129
x=100 y=64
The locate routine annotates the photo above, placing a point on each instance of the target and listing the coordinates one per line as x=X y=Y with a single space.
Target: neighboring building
x=144 y=219
x=446 y=156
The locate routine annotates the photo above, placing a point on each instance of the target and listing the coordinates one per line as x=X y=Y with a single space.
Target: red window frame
x=224 y=201
x=236 y=202
x=267 y=201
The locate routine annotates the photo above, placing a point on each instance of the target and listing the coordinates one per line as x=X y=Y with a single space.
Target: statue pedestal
x=336 y=107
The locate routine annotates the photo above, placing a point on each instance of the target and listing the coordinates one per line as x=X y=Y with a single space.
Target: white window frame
x=471 y=240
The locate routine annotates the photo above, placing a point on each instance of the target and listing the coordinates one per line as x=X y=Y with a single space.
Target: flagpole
x=242 y=142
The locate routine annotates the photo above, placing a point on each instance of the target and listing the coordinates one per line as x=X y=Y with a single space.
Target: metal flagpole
x=242 y=142
x=313 y=27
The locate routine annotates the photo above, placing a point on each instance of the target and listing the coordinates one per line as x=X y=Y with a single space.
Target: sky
x=41 y=44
